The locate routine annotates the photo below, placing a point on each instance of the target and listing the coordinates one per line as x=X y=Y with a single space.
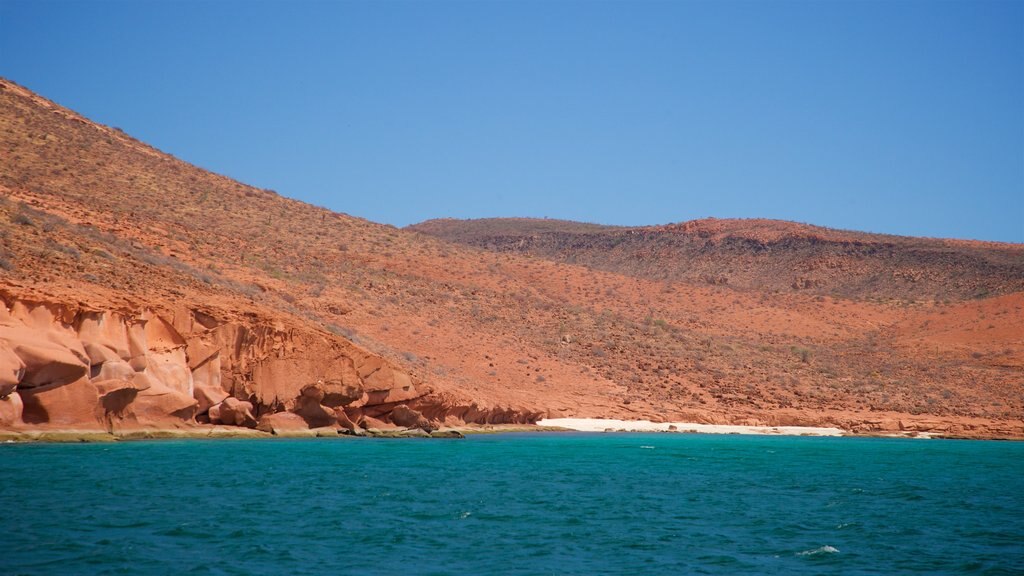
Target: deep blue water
x=515 y=504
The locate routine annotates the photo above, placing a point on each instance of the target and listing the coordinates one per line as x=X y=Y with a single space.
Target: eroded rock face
x=78 y=368
x=233 y=412
x=402 y=415
x=115 y=397
x=11 y=408
x=279 y=422
x=49 y=356
x=12 y=370
x=345 y=422
x=308 y=406
x=71 y=405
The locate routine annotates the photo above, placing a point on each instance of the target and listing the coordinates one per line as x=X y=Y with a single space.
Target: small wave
x=465 y=515
x=648 y=447
x=822 y=550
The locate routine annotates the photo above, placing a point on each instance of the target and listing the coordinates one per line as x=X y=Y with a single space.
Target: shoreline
x=555 y=425
x=75 y=436
x=613 y=425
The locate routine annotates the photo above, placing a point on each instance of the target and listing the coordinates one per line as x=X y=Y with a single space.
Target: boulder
x=212 y=415
x=385 y=385
x=207 y=397
x=402 y=415
x=316 y=415
x=235 y=412
x=450 y=433
x=308 y=406
x=325 y=432
x=279 y=422
x=11 y=408
x=345 y=422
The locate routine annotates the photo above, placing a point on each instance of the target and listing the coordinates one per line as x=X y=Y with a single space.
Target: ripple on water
x=819 y=551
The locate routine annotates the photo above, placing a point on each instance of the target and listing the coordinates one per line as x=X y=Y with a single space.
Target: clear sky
x=903 y=117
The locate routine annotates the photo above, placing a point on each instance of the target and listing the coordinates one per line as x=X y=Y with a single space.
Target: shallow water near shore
x=515 y=504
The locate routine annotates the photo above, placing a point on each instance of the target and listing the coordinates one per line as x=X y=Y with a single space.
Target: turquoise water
x=515 y=504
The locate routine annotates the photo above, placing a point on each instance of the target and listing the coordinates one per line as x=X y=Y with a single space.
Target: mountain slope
x=760 y=255
x=212 y=288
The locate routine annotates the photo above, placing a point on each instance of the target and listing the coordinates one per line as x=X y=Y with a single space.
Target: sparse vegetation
x=626 y=317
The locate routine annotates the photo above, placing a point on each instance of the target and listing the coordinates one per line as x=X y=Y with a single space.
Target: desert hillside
x=760 y=255
x=141 y=291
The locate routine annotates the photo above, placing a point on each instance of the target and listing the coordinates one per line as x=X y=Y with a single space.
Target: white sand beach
x=603 y=425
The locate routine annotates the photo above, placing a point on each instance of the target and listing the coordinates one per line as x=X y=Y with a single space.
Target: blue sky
x=899 y=117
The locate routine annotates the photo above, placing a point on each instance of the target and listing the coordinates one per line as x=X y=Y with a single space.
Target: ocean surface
x=515 y=504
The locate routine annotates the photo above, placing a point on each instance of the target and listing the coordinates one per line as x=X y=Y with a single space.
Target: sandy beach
x=604 y=425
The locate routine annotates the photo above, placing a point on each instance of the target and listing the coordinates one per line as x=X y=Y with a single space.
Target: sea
x=535 y=503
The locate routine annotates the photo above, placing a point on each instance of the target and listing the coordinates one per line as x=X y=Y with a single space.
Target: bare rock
x=280 y=380
x=11 y=408
x=115 y=369
x=74 y=405
x=281 y=422
x=170 y=368
x=207 y=396
x=308 y=406
x=116 y=396
x=402 y=415
x=385 y=385
x=235 y=412
x=338 y=393
x=314 y=392
x=50 y=357
x=325 y=432
x=161 y=405
x=99 y=353
x=12 y=369
x=369 y=423
x=213 y=415
x=345 y=422
x=450 y=433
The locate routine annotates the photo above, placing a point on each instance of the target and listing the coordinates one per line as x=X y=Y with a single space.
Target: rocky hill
x=142 y=292
x=760 y=255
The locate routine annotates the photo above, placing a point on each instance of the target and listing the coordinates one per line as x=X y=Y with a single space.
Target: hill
x=761 y=255
x=143 y=292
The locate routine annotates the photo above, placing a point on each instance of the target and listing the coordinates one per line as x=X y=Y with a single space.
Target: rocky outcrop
x=402 y=415
x=11 y=409
x=74 y=367
x=309 y=407
x=280 y=423
x=233 y=412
